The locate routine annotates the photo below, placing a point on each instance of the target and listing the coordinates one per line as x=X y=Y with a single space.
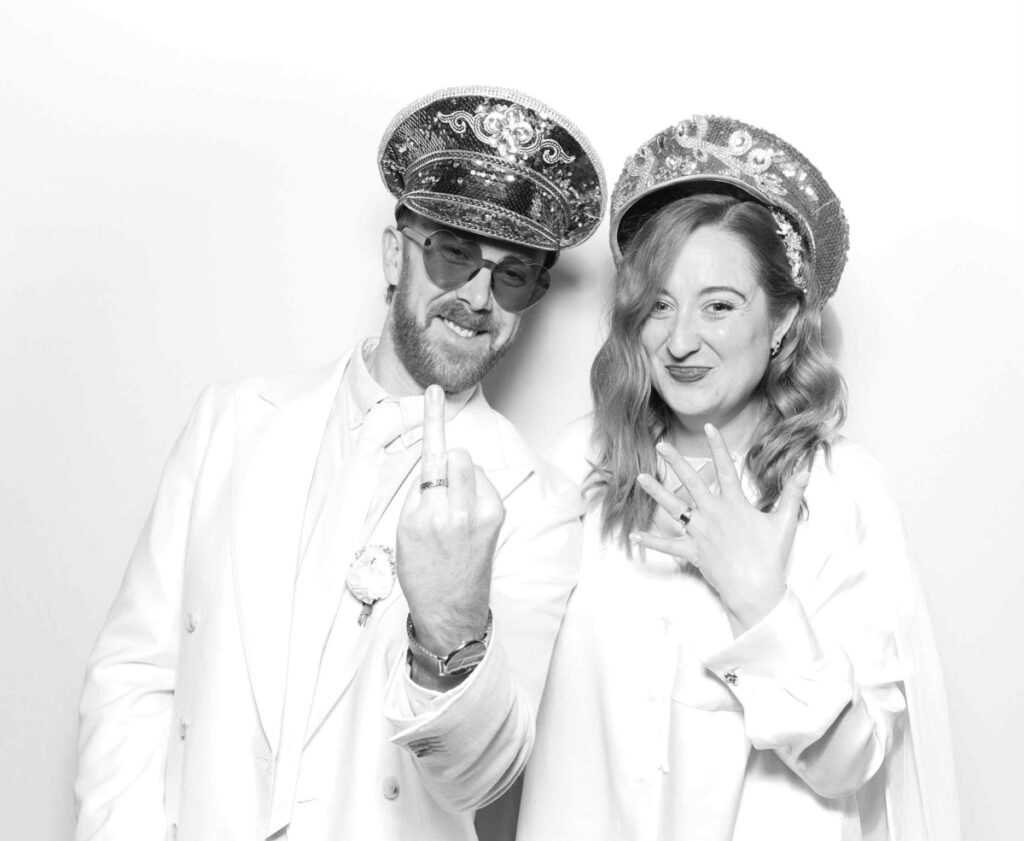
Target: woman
x=746 y=655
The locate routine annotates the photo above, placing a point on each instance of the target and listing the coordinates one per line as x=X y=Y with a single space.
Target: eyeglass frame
x=542 y=281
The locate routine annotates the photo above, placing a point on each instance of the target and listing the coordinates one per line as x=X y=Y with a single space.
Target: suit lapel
x=347 y=642
x=278 y=437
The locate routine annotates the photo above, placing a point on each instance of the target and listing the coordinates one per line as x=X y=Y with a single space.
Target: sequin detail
x=514 y=134
x=702 y=153
x=495 y=162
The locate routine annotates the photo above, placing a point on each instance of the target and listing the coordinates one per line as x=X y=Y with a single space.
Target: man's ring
x=686 y=515
x=434 y=483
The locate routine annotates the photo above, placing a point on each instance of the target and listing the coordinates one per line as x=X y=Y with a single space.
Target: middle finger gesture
x=447 y=533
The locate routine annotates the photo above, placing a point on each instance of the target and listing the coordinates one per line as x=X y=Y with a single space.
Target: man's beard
x=430 y=362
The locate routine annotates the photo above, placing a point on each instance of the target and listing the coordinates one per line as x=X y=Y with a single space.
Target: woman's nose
x=684 y=338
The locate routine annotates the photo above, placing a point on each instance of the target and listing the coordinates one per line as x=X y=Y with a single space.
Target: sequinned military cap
x=722 y=155
x=495 y=162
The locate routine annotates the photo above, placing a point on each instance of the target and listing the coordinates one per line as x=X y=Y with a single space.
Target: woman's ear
x=783 y=324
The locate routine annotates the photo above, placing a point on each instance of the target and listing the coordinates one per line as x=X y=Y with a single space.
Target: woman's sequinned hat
x=495 y=162
x=719 y=154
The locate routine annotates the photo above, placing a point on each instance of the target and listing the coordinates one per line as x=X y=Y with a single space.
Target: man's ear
x=392 y=244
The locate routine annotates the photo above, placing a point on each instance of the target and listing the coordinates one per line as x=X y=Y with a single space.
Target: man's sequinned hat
x=719 y=154
x=495 y=162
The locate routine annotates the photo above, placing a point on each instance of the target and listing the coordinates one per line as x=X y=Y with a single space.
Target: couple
x=340 y=616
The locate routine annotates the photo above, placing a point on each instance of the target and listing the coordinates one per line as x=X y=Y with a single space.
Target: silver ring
x=434 y=483
x=686 y=515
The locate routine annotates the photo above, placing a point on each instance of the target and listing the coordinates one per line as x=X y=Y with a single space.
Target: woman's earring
x=775 y=350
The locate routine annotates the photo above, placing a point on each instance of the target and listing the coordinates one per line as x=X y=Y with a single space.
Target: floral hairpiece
x=794 y=249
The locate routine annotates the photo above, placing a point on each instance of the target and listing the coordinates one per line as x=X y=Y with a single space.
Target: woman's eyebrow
x=712 y=289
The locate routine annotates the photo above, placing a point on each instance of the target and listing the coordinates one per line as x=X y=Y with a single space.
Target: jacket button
x=390 y=788
x=191 y=623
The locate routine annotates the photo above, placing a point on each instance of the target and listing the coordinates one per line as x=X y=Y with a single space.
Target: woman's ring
x=686 y=515
x=434 y=483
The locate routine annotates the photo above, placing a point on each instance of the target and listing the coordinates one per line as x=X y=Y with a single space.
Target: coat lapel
x=346 y=640
x=278 y=435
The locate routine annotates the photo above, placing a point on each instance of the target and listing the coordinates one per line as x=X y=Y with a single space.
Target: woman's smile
x=687 y=373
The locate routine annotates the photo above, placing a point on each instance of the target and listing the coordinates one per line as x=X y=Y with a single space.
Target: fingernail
x=634 y=537
x=661 y=446
x=434 y=394
x=710 y=429
x=643 y=478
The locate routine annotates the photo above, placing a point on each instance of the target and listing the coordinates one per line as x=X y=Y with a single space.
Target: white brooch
x=371 y=577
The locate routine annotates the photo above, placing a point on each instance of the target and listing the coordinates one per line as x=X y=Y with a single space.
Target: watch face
x=466 y=659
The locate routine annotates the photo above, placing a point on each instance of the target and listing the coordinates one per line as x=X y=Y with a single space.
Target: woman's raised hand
x=740 y=551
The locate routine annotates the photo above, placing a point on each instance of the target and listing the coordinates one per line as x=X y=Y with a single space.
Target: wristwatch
x=461 y=661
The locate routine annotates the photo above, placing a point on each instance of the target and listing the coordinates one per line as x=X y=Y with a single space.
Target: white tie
x=381 y=426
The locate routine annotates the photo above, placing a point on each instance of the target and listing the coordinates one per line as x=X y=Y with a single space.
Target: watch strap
x=443 y=663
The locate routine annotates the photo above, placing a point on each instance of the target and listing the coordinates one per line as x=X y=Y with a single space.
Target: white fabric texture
x=232 y=693
x=826 y=721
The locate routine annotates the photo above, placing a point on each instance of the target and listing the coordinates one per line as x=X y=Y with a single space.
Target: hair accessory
x=495 y=162
x=722 y=155
x=794 y=250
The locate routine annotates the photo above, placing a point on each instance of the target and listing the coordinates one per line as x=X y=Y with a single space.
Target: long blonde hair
x=802 y=391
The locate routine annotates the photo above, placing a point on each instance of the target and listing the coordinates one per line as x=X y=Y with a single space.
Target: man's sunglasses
x=451 y=262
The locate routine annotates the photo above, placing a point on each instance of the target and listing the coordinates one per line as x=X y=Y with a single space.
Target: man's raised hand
x=447 y=532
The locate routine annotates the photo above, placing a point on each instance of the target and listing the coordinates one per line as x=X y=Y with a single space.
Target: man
x=260 y=675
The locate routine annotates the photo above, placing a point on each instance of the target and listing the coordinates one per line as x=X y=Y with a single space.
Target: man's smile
x=464 y=332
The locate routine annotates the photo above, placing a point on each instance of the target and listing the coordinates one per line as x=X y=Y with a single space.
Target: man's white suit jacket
x=183 y=727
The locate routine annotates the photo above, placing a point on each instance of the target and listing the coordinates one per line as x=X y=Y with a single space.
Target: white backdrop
x=188 y=193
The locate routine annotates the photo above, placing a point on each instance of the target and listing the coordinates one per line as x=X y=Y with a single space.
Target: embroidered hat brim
x=495 y=162
x=722 y=155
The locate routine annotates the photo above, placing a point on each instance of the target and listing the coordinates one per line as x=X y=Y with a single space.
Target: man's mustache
x=459 y=314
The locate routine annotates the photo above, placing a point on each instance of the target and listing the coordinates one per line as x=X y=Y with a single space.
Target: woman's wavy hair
x=803 y=394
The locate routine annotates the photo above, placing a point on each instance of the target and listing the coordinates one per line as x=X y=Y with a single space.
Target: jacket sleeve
x=126 y=705
x=819 y=678
x=471 y=743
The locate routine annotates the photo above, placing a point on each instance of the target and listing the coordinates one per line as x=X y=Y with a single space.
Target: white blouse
x=657 y=723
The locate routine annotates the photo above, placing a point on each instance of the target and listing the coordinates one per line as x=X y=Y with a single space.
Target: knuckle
x=491 y=512
x=434 y=459
x=458 y=519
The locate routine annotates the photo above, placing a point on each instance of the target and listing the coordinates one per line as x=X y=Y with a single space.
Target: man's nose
x=476 y=292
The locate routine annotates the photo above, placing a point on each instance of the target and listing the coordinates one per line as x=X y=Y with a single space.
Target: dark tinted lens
x=518 y=284
x=450 y=261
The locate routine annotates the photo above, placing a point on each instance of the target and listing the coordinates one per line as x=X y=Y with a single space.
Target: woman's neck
x=686 y=434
